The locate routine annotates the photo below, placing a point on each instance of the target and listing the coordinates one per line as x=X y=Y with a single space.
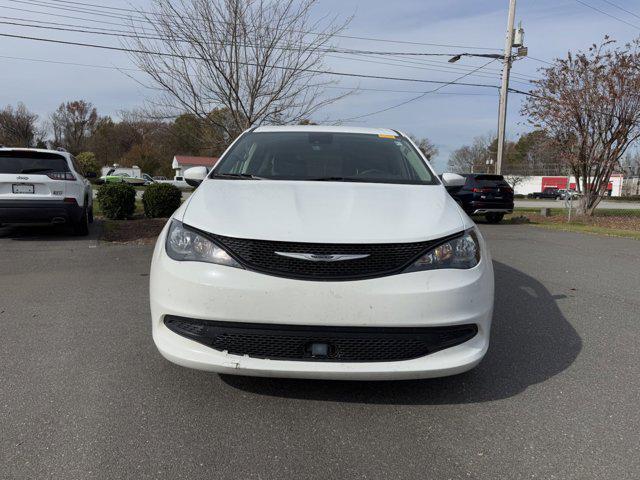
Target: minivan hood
x=322 y=212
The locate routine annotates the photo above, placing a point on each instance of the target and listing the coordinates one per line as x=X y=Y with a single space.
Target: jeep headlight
x=184 y=244
x=461 y=252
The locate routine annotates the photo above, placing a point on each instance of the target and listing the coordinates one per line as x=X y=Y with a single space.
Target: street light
x=455 y=58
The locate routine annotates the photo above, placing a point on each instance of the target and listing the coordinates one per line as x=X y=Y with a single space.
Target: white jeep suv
x=44 y=186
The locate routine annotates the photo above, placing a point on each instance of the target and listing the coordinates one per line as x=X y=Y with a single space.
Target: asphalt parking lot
x=84 y=394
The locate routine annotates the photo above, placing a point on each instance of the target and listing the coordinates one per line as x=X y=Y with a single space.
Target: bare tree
x=73 y=123
x=18 y=127
x=255 y=59
x=630 y=164
x=589 y=103
x=514 y=180
x=426 y=146
x=471 y=158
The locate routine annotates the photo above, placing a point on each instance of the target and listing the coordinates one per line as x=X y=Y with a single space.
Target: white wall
x=527 y=185
x=534 y=184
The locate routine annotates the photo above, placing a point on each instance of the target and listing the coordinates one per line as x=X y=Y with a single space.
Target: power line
x=279 y=67
x=455 y=68
x=122 y=33
x=127 y=33
x=102 y=22
x=584 y=109
x=374 y=39
x=607 y=14
x=74 y=64
x=73 y=25
x=539 y=60
x=416 y=98
x=470 y=71
x=76 y=10
x=620 y=8
x=110 y=67
x=366 y=60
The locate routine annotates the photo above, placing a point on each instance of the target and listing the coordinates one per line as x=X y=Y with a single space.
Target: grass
x=592 y=229
x=633 y=198
x=622 y=223
x=599 y=212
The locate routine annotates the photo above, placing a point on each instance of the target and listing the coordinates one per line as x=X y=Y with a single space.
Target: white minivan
x=322 y=252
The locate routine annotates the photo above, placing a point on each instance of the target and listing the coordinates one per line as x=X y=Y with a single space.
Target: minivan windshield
x=324 y=156
x=16 y=161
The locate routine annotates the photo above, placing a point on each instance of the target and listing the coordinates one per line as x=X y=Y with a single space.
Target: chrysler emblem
x=316 y=257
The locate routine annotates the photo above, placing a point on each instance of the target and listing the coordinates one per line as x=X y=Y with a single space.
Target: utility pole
x=504 y=89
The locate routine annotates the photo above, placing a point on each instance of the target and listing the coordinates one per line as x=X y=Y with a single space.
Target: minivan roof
x=327 y=129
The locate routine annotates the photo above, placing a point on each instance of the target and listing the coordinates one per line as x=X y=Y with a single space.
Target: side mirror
x=195 y=175
x=452 y=180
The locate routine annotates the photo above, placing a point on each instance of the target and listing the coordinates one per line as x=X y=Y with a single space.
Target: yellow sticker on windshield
x=384 y=135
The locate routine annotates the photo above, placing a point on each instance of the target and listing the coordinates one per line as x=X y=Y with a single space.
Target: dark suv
x=484 y=194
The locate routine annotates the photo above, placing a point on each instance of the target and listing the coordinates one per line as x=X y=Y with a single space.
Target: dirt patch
x=138 y=230
x=631 y=222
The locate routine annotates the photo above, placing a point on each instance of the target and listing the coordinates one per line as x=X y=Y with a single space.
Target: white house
x=182 y=162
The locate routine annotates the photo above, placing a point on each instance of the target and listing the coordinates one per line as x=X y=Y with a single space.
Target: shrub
x=160 y=200
x=117 y=200
x=89 y=164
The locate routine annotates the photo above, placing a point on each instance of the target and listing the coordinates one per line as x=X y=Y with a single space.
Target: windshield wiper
x=238 y=176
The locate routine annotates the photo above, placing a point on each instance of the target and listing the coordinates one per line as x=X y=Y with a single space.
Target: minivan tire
x=494 y=217
x=81 y=228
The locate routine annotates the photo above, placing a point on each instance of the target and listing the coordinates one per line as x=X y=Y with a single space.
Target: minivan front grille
x=379 y=259
x=342 y=344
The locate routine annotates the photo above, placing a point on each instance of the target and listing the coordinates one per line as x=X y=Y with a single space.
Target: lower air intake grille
x=340 y=344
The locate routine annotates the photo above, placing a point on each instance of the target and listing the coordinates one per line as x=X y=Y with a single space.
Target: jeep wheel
x=81 y=228
x=494 y=217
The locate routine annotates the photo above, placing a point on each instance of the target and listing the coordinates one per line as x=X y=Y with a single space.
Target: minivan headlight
x=462 y=252
x=184 y=244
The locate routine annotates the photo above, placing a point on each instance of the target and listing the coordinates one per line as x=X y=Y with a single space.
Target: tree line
x=96 y=140
x=534 y=153
x=135 y=139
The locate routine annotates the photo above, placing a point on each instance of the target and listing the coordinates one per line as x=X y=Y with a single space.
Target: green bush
x=160 y=200
x=117 y=200
x=89 y=164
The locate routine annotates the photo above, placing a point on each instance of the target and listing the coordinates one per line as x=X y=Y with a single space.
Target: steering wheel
x=371 y=170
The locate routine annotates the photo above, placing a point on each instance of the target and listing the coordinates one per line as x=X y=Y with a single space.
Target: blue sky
x=450 y=118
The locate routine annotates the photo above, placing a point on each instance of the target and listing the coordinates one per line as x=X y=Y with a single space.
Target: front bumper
x=414 y=300
x=39 y=211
